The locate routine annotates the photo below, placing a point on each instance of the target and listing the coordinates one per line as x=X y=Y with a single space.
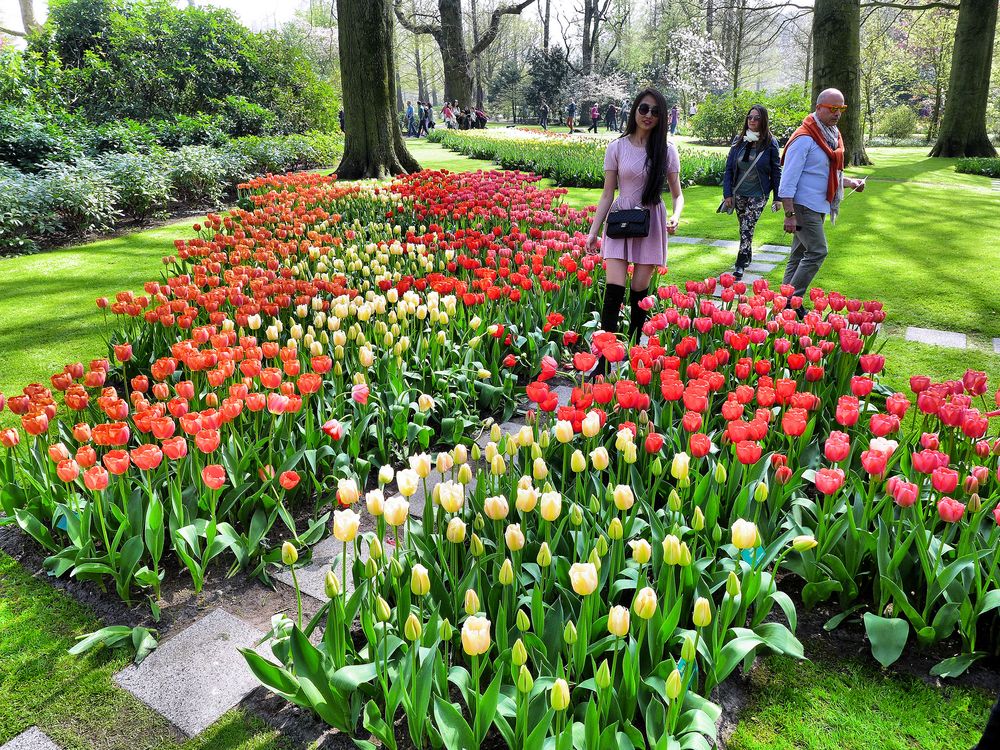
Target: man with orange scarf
x=812 y=186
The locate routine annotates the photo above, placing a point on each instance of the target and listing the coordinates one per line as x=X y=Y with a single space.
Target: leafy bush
x=897 y=123
x=199 y=173
x=912 y=141
x=124 y=137
x=240 y=116
x=990 y=167
x=182 y=130
x=29 y=137
x=81 y=195
x=23 y=212
x=142 y=182
x=720 y=116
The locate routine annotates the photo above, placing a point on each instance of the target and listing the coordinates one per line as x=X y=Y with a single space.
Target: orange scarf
x=810 y=128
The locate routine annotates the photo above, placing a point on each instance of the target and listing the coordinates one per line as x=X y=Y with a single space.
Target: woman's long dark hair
x=656 y=146
x=763 y=131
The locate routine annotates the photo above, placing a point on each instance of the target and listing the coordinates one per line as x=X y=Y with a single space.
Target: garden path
x=30 y=739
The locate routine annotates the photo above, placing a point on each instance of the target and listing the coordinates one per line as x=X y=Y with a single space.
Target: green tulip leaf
x=888 y=637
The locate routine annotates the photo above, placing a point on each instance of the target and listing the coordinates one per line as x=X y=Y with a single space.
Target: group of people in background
x=420 y=121
x=615 y=116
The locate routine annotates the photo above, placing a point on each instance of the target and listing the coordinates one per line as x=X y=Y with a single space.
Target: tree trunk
x=373 y=145
x=963 y=128
x=710 y=17
x=399 y=91
x=454 y=56
x=418 y=63
x=806 y=81
x=836 y=35
x=475 y=63
x=545 y=26
x=28 y=16
x=587 y=51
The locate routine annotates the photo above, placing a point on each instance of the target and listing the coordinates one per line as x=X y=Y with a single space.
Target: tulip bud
x=478 y=523
x=476 y=548
x=544 y=558
x=524 y=681
x=720 y=473
x=569 y=633
x=331 y=585
x=671 y=550
x=522 y=621
x=560 y=695
x=595 y=504
x=697 y=519
x=371 y=568
x=674 y=501
x=702 y=612
x=689 y=649
x=656 y=467
x=420 y=582
x=760 y=493
x=733 y=585
x=464 y=474
x=603 y=676
x=382 y=611
x=476 y=453
x=395 y=568
x=412 y=629
x=289 y=555
x=506 y=576
x=601 y=548
x=446 y=629
x=595 y=557
x=615 y=530
x=618 y=621
x=519 y=654
x=497 y=466
x=577 y=462
x=544 y=440
x=673 y=686
x=576 y=515
x=804 y=542
x=375 y=549
x=471 y=602
x=456 y=531
x=385 y=474
x=686 y=558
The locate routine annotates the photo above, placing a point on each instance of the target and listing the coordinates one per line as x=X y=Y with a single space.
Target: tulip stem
x=298 y=594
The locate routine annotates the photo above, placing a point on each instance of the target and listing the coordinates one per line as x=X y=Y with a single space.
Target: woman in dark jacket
x=749 y=180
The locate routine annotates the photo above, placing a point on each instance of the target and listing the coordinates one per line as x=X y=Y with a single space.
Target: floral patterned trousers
x=748 y=210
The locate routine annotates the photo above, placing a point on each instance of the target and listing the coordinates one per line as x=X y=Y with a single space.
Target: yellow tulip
x=560 y=695
x=744 y=534
x=421 y=465
x=591 y=425
x=671 y=549
x=599 y=458
x=375 y=502
x=345 y=525
x=527 y=499
x=407 y=481
x=476 y=636
x=506 y=575
x=551 y=505
x=645 y=603
x=680 y=466
x=514 y=537
x=347 y=491
x=577 y=461
x=583 y=577
x=702 y=612
x=456 y=531
x=396 y=510
x=623 y=497
x=618 y=621
x=564 y=431
x=471 y=602
x=641 y=551
x=420 y=582
x=451 y=496
x=289 y=555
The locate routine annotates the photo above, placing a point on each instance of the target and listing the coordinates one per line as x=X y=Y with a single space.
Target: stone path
x=996 y=184
x=765 y=259
x=30 y=739
x=198 y=675
x=948 y=339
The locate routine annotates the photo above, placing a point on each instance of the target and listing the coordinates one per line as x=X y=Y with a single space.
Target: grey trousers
x=808 y=250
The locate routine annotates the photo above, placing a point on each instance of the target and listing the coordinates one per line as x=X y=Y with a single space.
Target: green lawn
x=73 y=699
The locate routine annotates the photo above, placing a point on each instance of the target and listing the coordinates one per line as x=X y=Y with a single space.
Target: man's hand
x=856 y=185
x=790 y=224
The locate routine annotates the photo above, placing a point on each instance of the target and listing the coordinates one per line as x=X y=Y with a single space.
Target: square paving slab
x=312 y=576
x=948 y=339
x=996 y=345
x=199 y=674
x=760 y=267
x=725 y=243
x=770 y=257
x=685 y=240
x=30 y=739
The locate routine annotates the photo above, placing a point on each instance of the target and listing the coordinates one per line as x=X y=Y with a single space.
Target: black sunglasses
x=646 y=109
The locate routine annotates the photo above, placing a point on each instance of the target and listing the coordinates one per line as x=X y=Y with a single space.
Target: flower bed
x=989 y=167
x=573 y=161
x=593 y=575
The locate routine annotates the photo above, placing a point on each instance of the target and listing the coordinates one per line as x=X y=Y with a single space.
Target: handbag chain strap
x=745 y=174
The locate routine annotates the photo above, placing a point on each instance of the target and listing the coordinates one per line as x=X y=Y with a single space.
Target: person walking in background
x=753 y=171
x=812 y=186
x=623 y=115
x=449 y=117
x=543 y=116
x=637 y=165
x=430 y=118
x=422 y=114
x=675 y=115
x=692 y=111
x=570 y=114
x=611 y=117
x=595 y=117
x=411 y=127
x=481 y=119
x=340 y=119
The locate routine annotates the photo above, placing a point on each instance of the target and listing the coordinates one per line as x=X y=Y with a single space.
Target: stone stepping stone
x=199 y=674
x=685 y=240
x=771 y=257
x=996 y=345
x=30 y=739
x=564 y=392
x=731 y=244
x=783 y=249
x=756 y=267
x=312 y=576
x=948 y=339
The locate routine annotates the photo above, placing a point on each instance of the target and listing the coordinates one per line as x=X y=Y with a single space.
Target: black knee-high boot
x=991 y=737
x=614 y=294
x=638 y=316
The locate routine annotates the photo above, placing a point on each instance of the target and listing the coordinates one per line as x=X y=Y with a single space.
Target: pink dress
x=629 y=161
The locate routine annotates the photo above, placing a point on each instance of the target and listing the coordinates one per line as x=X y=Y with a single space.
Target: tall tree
x=546 y=23
x=963 y=127
x=27 y=20
x=449 y=33
x=836 y=34
x=373 y=145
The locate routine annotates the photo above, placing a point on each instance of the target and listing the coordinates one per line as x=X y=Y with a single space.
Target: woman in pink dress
x=637 y=165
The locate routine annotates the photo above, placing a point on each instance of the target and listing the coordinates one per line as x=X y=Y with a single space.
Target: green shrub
x=29 y=137
x=720 y=116
x=988 y=166
x=24 y=214
x=124 y=137
x=897 y=123
x=81 y=195
x=142 y=182
x=181 y=130
x=199 y=174
x=241 y=117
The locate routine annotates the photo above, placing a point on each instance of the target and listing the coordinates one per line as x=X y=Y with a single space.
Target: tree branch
x=11 y=32
x=412 y=26
x=491 y=32
x=904 y=6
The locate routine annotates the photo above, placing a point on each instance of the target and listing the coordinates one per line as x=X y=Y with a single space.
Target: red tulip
x=549 y=368
x=117 y=462
x=919 y=383
x=793 y=422
x=289 y=479
x=147 y=457
x=207 y=440
x=944 y=480
x=699 y=445
x=897 y=404
x=874 y=461
x=68 y=470
x=86 y=456
x=883 y=424
x=783 y=475
x=837 y=447
x=175 y=448
x=214 y=476
x=872 y=363
x=95 y=478
x=974 y=382
x=58 y=452
x=848 y=412
x=654 y=442
x=359 y=392
x=333 y=429
x=828 y=481
x=123 y=352
x=748 y=452
x=950 y=510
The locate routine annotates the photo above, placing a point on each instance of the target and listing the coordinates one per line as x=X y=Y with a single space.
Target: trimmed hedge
x=73 y=198
x=987 y=166
x=569 y=161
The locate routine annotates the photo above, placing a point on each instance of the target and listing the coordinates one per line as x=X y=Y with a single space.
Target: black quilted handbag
x=629 y=222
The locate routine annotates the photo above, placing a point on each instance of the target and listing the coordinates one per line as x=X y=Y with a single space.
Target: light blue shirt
x=805 y=175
